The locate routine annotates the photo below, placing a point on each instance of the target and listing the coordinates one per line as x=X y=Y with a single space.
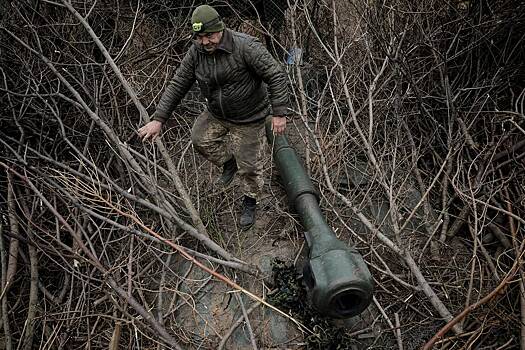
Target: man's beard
x=210 y=48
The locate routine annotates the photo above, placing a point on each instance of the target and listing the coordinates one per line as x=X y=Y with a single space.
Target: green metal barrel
x=338 y=281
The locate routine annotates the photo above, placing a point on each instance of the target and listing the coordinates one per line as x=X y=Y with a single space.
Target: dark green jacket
x=240 y=80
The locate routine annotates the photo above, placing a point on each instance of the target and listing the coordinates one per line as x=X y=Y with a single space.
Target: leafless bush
x=424 y=99
x=410 y=120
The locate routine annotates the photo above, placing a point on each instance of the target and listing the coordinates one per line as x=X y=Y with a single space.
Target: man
x=242 y=85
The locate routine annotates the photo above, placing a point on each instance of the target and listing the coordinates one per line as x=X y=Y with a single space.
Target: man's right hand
x=150 y=130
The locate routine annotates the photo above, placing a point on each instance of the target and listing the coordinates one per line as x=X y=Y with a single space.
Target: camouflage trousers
x=220 y=140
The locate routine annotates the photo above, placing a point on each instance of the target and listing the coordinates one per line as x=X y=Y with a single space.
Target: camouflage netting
x=409 y=118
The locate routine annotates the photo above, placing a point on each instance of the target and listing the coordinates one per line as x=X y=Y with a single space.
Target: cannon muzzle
x=338 y=281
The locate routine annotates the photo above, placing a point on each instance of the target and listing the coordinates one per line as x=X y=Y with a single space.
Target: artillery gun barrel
x=338 y=281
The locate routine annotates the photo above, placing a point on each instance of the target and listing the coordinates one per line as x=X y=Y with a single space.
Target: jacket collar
x=226 y=43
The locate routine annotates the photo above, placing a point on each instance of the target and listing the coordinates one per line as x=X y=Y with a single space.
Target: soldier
x=242 y=85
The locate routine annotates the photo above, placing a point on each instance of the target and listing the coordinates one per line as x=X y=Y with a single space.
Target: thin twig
x=236 y=324
x=387 y=319
x=14 y=226
x=27 y=342
x=5 y=309
x=247 y=320
x=398 y=332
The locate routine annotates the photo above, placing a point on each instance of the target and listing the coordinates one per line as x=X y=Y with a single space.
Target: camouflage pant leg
x=210 y=138
x=248 y=145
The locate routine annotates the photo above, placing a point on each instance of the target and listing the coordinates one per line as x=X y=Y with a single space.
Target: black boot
x=228 y=171
x=248 y=212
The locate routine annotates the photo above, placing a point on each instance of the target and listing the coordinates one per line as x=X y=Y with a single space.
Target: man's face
x=209 y=41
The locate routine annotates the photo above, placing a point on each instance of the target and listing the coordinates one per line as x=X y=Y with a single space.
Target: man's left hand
x=278 y=124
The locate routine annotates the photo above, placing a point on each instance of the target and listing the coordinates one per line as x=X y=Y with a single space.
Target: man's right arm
x=177 y=88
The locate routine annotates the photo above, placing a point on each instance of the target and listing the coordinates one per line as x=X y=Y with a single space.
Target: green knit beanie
x=205 y=19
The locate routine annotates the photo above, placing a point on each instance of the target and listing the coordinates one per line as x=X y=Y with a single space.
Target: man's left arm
x=266 y=67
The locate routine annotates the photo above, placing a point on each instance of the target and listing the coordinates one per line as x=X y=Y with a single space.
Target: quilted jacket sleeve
x=264 y=65
x=177 y=88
